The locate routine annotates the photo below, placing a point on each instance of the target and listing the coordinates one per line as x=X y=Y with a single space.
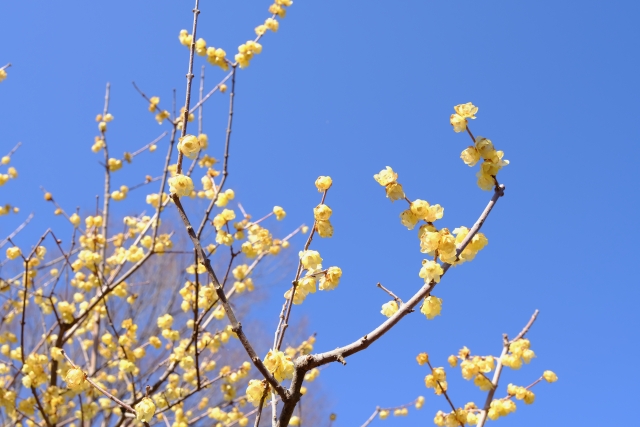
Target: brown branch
x=236 y=327
x=311 y=361
x=225 y=167
x=288 y=303
x=97 y=387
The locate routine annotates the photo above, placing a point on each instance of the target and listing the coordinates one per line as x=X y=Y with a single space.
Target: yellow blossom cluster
x=161 y=115
x=121 y=194
x=246 y=52
x=102 y=121
x=321 y=214
x=436 y=380
x=501 y=408
x=519 y=351
x=277 y=8
x=460 y=416
x=492 y=159
x=521 y=393
x=279 y=364
x=389 y=180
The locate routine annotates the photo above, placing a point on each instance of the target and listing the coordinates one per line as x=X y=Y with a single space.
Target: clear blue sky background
x=344 y=89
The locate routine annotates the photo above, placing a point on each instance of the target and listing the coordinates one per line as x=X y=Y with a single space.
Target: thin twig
x=391 y=294
x=185 y=115
x=17 y=230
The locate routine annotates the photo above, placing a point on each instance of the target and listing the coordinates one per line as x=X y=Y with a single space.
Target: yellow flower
x=203 y=141
x=75 y=378
x=185 y=38
x=408 y=219
x=181 y=185
x=330 y=279
x=294 y=421
x=467 y=110
x=323 y=183
x=322 y=213
x=5 y=160
x=550 y=376
x=386 y=177
x=383 y=414
x=165 y=322
x=470 y=156
x=145 y=409
x=420 y=208
x=459 y=123
x=279 y=212
x=114 y=164
x=324 y=228
x=271 y=24
x=189 y=145
x=419 y=402
x=201 y=47
x=484 y=147
x=430 y=271
x=485 y=182
x=453 y=361
x=255 y=390
x=75 y=220
x=431 y=307
x=13 y=252
x=394 y=191
x=390 y=308
x=311 y=260
x=279 y=365
x=153 y=103
x=422 y=358
x=3 y=75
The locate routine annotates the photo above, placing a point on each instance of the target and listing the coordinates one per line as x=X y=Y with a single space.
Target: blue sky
x=345 y=89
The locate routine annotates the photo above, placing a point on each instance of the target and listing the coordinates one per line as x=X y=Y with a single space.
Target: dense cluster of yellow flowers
x=482 y=149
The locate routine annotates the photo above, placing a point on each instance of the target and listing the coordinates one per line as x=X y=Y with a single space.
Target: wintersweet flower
x=430 y=271
x=180 y=185
x=311 y=260
x=386 y=176
x=13 y=252
x=431 y=307
x=470 y=156
x=145 y=409
x=550 y=376
x=330 y=279
x=255 y=391
x=408 y=219
x=467 y=110
x=279 y=213
x=324 y=228
x=279 y=365
x=390 y=308
x=323 y=183
x=75 y=378
x=189 y=145
x=322 y=213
